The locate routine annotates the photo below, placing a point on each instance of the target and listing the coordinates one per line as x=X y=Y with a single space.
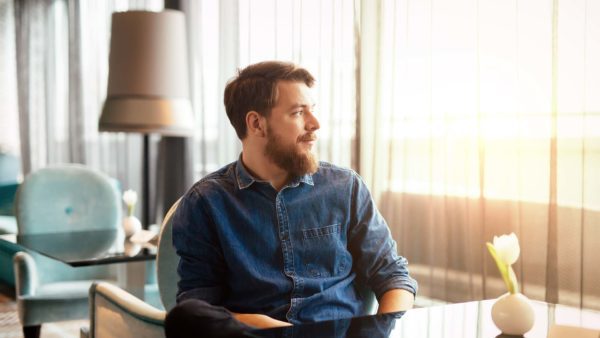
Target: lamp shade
x=148 y=79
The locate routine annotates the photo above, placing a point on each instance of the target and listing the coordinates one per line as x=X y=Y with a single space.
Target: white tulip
x=507 y=248
x=130 y=198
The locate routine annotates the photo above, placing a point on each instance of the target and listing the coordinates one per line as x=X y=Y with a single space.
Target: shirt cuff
x=404 y=283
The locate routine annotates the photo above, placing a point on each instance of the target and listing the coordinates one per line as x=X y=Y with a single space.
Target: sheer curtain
x=231 y=34
x=9 y=137
x=61 y=72
x=485 y=119
x=62 y=64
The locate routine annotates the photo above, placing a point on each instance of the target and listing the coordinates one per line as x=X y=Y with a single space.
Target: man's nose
x=312 y=123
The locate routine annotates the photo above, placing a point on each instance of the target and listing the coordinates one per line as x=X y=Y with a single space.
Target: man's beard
x=289 y=158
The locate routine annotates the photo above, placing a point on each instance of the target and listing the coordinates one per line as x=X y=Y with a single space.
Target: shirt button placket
x=286 y=245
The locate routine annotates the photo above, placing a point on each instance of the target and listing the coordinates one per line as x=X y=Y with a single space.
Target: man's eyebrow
x=301 y=105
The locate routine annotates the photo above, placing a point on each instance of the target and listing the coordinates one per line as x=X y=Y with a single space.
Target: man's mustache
x=307 y=137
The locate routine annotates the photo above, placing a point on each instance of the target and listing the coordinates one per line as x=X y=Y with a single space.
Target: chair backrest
x=10 y=166
x=65 y=198
x=167 y=261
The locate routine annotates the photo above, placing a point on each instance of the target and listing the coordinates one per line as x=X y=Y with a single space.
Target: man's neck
x=262 y=168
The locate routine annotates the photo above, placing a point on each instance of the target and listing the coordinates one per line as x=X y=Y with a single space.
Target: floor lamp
x=148 y=88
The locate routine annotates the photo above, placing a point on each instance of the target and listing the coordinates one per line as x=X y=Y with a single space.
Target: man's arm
x=259 y=321
x=395 y=300
x=375 y=255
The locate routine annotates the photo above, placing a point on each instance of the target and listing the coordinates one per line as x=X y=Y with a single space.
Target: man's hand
x=259 y=321
x=396 y=300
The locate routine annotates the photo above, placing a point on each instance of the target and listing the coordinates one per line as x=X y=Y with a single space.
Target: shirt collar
x=245 y=179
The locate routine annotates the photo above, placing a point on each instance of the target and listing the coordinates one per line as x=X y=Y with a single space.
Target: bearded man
x=277 y=237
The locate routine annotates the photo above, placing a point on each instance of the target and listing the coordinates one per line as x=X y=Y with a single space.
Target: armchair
x=60 y=199
x=116 y=313
x=9 y=172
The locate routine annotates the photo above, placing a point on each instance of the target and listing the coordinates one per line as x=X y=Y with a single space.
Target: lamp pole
x=146 y=182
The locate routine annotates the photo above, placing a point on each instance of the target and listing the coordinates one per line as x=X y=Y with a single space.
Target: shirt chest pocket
x=324 y=252
x=316 y=233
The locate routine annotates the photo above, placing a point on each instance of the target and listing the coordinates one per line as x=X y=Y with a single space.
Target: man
x=277 y=237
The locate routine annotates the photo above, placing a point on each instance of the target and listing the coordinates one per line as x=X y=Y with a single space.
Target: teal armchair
x=61 y=198
x=9 y=172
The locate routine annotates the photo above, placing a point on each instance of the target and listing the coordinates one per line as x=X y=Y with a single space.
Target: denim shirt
x=292 y=254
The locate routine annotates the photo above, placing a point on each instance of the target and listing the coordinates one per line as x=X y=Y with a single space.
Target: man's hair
x=255 y=89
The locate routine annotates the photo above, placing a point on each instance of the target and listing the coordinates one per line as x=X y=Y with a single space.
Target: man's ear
x=256 y=124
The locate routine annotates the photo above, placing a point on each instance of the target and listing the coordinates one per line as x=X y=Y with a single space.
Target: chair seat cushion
x=55 y=302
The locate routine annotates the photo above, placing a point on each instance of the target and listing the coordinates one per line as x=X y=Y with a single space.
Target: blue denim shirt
x=293 y=255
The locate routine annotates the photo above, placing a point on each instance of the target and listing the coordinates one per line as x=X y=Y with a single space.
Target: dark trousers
x=197 y=318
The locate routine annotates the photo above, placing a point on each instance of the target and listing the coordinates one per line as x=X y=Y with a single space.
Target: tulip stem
x=512 y=278
x=506 y=271
x=130 y=208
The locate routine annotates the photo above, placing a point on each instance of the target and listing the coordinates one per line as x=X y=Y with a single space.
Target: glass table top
x=465 y=320
x=82 y=248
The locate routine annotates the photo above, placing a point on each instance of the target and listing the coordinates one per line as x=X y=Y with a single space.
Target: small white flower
x=130 y=197
x=505 y=252
x=507 y=248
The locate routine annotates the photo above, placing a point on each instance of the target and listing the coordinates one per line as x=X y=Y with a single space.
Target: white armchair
x=116 y=313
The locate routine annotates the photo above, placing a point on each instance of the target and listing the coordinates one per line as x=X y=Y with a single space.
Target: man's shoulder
x=329 y=169
x=334 y=174
x=215 y=181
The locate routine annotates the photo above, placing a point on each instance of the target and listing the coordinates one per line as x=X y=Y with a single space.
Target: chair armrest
x=135 y=317
x=26 y=274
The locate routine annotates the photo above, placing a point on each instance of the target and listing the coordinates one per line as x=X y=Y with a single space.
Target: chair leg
x=32 y=331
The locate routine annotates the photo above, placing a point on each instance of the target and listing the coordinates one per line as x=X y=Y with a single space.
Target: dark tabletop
x=82 y=248
x=465 y=320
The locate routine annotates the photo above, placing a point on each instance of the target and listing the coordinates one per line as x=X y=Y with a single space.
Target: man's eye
x=299 y=112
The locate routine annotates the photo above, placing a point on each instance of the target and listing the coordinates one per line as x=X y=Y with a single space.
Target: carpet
x=11 y=328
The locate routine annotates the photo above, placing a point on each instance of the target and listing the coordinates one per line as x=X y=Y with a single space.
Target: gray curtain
x=61 y=72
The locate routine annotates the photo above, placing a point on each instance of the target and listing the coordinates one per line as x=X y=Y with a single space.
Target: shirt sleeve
x=373 y=249
x=201 y=266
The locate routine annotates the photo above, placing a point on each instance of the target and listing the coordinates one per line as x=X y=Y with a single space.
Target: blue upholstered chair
x=61 y=198
x=116 y=313
x=9 y=172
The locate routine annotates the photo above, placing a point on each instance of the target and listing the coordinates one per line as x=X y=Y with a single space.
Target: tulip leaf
x=503 y=268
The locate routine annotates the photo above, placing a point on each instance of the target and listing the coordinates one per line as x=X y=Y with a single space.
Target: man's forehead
x=292 y=93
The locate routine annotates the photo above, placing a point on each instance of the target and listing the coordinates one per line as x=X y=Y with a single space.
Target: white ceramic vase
x=131 y=225
x=513 y=314
x=132 y=249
